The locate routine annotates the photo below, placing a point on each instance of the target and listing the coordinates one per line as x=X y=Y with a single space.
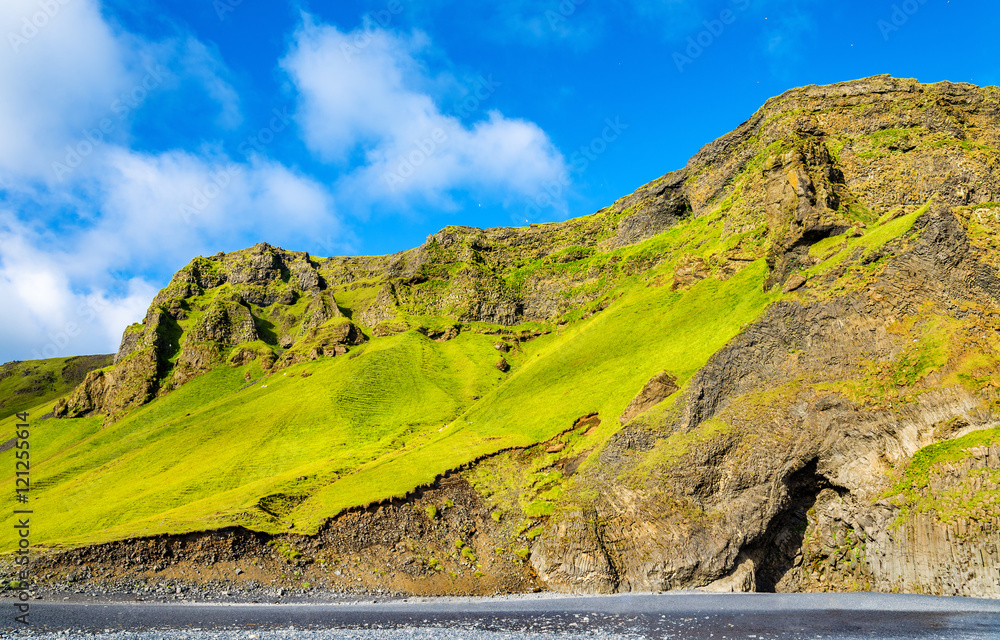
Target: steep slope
x=773 y=369
x=333 y=433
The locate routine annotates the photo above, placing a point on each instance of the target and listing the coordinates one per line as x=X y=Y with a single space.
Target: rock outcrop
x=658 y=389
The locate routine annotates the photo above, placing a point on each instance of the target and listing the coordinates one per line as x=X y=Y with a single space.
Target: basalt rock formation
x=775 y=369
x=796 y=484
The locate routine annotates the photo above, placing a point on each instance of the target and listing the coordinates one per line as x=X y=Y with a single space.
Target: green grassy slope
x=213 y=451
x=591 y=367
x=974 y=497
x=307 y=442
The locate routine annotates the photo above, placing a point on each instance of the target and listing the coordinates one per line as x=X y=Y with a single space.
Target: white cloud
x=68 y=235
x=160 y=210
x=53 y=284
x=72 y=86
x=176 y=203
x=533 y=22
x=366 y=92
x=46 y=315
x=56 y=79
x=575 y=24
x=204 y=65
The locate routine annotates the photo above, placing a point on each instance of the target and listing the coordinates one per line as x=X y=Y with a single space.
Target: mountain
x=775 y=369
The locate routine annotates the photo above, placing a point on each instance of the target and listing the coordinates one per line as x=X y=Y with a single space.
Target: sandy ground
x=673 y=615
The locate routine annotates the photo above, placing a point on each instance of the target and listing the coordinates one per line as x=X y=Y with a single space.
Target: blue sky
x=137 y=135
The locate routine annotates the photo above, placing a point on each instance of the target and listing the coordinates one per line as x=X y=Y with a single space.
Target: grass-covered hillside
x=807 y=304
x=304 y=442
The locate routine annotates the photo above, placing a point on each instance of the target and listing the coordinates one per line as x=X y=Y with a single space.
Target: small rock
x=795 y=282
x=690 y=270
x=659 y=388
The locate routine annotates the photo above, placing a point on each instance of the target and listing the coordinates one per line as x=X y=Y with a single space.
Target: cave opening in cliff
x=779 y=550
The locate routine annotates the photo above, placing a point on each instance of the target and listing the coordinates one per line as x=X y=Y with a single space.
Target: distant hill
x=26 y=384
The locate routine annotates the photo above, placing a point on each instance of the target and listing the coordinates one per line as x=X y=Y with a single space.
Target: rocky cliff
x=784 y=457
x=845 y=437
x=780 y=467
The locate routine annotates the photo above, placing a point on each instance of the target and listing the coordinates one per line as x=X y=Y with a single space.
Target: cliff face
x=24 y=385
x=845 y=438
x=783 y=458
x=780 y=467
